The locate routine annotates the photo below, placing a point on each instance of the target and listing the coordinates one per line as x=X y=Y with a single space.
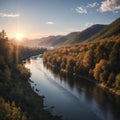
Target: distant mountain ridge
x=72 y=38
x=90 y=34
x=57 y=40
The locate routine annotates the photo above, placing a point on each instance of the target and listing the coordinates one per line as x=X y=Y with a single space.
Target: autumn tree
x=100 y=70
x=88 y=59
x=117 y=81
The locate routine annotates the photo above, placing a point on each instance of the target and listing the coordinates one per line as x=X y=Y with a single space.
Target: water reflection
x=74 y=98
x=107 y=102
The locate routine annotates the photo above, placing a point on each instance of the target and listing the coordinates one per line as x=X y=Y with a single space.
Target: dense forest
x=17 y=99
x=97 y=61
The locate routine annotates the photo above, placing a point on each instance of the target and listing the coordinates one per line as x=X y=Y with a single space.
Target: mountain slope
x=109 y=31
x=75 y=37
x=56 y=40
x=65 y=38
x=85 y=34
x=49 y=41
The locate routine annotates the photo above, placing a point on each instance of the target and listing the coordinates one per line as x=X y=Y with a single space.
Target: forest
x=17 y=99
x=98 y=61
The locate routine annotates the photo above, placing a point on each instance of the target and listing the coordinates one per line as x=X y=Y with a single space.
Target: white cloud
x=93 y=4
x=50 y=23
x=110 y=5
x=11 y=15
x=88 y=24
x=81 y=10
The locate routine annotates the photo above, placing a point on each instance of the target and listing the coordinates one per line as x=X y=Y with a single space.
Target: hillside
x=95 y=32
x=56 y=40
x=49 y=41
x=98 y=62
x=112 y=29
x=85 y=34
x=71 y=38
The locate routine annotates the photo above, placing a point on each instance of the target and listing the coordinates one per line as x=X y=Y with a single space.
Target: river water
x=73 y=99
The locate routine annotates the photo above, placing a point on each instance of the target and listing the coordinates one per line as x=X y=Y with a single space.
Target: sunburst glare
x=19 y=36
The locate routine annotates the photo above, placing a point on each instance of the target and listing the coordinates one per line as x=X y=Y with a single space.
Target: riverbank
x=29 y=101
x=17 y=99
x=99 y=61
x=72 y=97
x=35 y=107
x=17 y=90
x=111 y=90
x=100 y=85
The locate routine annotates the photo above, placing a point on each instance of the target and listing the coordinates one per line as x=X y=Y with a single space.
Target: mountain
x=112 y=29
x=71 y=38
x=49 y=41
x=93 y=33
x=85 y=34
x=56 y=40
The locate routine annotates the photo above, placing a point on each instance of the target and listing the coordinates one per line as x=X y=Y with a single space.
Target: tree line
x=99 y=61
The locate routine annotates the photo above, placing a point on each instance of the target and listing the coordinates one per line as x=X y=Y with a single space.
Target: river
x=73 y=99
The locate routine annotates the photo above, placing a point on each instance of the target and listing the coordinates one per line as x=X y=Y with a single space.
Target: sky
x=39 y=18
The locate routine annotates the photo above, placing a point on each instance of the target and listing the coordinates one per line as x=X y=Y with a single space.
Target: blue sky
x=38 y=18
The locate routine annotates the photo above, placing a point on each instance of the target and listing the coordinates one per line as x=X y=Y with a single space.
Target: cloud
x=92 y=4
x=50 y=23
x=110 y=5
x=88 y=24
x=81 y=10
x=11 y=15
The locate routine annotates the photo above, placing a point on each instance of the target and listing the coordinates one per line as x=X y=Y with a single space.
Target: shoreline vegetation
x=100 y=85
x=99 y=62
x=17 y=99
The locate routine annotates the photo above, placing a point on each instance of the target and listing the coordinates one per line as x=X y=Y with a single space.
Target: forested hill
x=98 y=61
x=112 y=29
x=17 y=99
x=85 y=34
x=97 y=58
x=96 y=32
x=55 y=41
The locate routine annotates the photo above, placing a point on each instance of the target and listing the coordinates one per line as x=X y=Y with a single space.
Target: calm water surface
x=73 y=99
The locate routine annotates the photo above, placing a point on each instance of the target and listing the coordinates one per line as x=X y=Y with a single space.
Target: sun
x=19 y=36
